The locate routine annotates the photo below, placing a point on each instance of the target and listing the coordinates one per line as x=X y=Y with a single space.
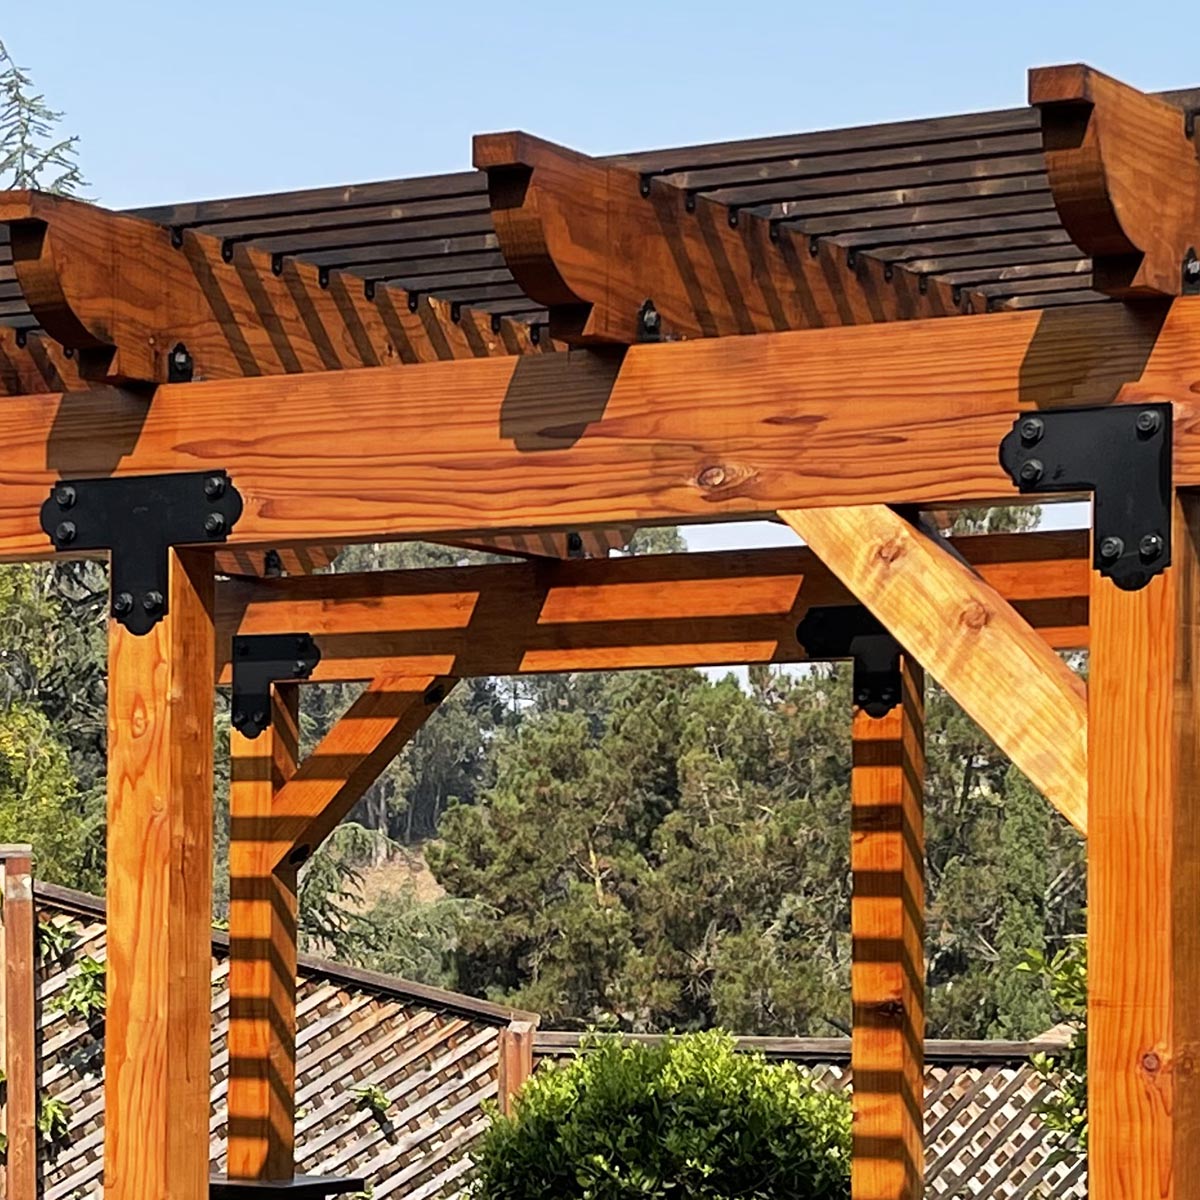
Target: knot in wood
x=711 y=477
x=1151 y=1062
x=890 y=550
x=975 y=616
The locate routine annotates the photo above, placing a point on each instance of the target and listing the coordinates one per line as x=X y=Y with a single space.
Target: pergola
x=197 y=405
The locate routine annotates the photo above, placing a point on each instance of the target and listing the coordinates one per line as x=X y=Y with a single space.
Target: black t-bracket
x=1122 y=455
x=259 y=660
x=850 y=631
x=138 y=518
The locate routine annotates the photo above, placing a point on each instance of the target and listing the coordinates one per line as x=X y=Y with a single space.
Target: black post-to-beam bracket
x=138 y=518
x=1121 y=454
x=259 y=660
x=850 y=631
x=302 y=1187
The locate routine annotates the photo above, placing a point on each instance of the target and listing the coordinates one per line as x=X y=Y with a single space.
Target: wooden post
x=262 y=953
x=20 y=1025
x=160 y=729
x=887 y=978
x=516 y=1061
x=1144 y=880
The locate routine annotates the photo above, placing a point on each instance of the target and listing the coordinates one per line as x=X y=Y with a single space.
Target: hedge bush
x=689 y=1117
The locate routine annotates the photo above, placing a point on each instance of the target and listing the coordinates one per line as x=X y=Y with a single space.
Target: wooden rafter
x=594 y=241
x=1125 y=173
x=654 y=611
x=691 y=431
x=970 y=639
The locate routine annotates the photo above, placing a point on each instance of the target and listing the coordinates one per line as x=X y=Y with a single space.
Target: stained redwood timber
x=516 y=1061
x=594 y=241
x=1143 y=938
x=20 y=1025
x=1125 y=177
x=160 y=815
x=114 y=290
x=725 y=607
x=262 y=954
x=910 y=412
x=969 y=638
x=887 y=931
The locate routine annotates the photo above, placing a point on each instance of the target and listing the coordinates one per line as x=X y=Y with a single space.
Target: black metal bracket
x=1122 y=455
x=260 y=660
x=850 y=631
x=649 y=323
x=138 y=518
x=301 y=1187
x=1190 y=285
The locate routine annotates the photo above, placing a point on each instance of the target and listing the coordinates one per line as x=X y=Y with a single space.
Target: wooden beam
x=1144 y=882
x=266 y=564
x=1125 y=176
x=31 y=364
x=262 y=954
x=516 y=1061
x=644 y=611
x=122 y=293
x=887 y=931
x=688 y=431
x=594 y=242
x=1019 y=692
x=159 y=960
x=20 y=1026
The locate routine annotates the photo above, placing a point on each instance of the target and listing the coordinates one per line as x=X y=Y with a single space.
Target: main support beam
x=887 y=929
x=20 y=1025
x=618 y=258
x=1002 y=674
x=262 y=954
x=1144 y=882
x=653 y=611
x=1125 y=174
x=687 y=431
x=159 y=978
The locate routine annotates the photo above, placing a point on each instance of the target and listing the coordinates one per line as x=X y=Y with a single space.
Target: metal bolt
x=64 y=532
x=1032 y=429
x=1192 y=268
x=1149 y=421
x=152 y=602
x=122 y=604
x=214 y=524
x=862 y=697
x=650 y=318
x=1151 y=546
x=1151 y=1062
x=65 y=496
x=300 y=667
x=239 y=717
x=259 y=718
x=214 y=487
x=1112 y=547
x=1032 y=470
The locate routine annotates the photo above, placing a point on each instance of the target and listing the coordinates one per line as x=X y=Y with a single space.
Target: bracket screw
x=1151 y=546
x=300 y=667
x=1032 y=470
x=214 y=524
x=65 y=532
x=649 y=319
x=1111 y=547
x=122 y=604
x=1149 y=421
x=214 y=487
x=65 y=496
x=1191 y=267
x=1032 y=430
x=152 y=602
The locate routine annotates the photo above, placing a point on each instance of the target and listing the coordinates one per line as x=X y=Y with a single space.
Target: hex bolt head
x=1032 y=430
x=1111 y=547
x=1149 y=421
x=1032 y=470
x=260 y=718
x=239 y=717
x=300 y=667
x=1151 y=545
x=152 y=602
x=1191 y=268
x=650 y=319
x=214 y=487
x=64 y=532
x=65 y=496
x=122 y=604
x=214 y=524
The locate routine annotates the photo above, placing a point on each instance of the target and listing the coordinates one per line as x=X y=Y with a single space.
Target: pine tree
x=32 y=155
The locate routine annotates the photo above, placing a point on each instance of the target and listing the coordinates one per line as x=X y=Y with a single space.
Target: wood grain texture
x=516 y=1061
x=592 y=241
x=21 y=1065
x=1019 y=692
x=262 y=954
x=114 y=290
x=910 y=412
x=160 y=816
x=701 y=609
x=1125 y=178
x=1143 y=937
x=347 y=760
x=887 y=931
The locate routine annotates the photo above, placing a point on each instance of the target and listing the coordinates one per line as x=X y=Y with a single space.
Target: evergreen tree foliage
x=32 y=152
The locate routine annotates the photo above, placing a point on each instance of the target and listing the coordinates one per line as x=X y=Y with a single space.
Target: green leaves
x=689 y=1119
x=83 y=996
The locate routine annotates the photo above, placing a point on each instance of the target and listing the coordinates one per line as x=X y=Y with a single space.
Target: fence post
x=20 y=1049
x=516 y=1061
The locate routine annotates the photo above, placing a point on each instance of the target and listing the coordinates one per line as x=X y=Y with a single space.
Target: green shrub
x=688 y=1119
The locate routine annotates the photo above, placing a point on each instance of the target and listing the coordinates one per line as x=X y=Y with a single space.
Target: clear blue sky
x=183 y=101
